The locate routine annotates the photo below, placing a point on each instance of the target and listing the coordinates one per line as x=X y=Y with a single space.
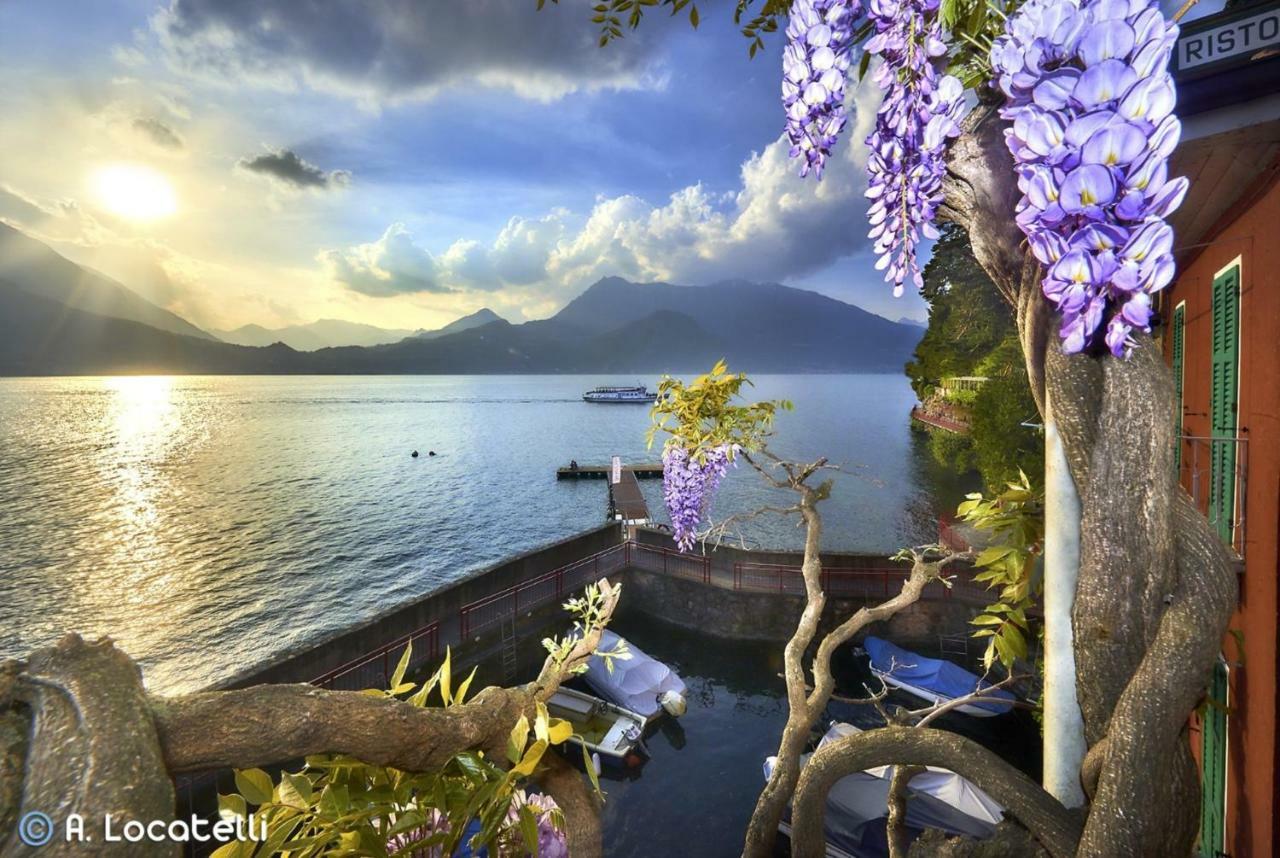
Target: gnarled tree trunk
x=1156 y=585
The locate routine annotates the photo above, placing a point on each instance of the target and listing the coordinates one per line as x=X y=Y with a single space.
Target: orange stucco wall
x=1253 y=237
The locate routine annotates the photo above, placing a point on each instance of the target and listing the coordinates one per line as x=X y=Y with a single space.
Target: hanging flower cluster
x=552 y=840
x=1091 y=100
x=919 y=115
x=688 y=484
x=815 y=65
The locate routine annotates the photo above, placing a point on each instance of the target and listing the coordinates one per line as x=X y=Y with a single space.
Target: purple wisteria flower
x=815 y=64
x=919 y=115
x=1091 y=100
x=689 y=481
x=552 y=841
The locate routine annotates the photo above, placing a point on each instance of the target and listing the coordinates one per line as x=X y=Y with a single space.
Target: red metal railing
x=878 y=582
x=549 y=587
x=655 y=558
x=373 y=670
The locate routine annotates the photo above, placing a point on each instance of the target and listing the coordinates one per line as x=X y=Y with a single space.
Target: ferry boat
x=639 y=394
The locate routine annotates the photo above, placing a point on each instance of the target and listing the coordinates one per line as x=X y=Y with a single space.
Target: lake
x=210 y=523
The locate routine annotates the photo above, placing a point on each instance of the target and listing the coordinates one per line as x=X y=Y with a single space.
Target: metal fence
x=880 y=582
x=655 y=558
x=374 y=669
x=482 y=614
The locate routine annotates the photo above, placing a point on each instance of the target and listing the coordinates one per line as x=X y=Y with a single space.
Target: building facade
x=1221 y=335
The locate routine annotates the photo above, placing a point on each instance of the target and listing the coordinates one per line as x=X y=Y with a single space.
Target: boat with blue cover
x=933 y=679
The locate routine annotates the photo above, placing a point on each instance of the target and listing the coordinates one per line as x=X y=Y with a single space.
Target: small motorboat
x=858 y=806
x=932 y=679
x=616 y=395
x=604 y=728
x=641 y=683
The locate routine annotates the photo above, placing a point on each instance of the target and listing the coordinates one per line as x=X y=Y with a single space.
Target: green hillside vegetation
x=972 y=333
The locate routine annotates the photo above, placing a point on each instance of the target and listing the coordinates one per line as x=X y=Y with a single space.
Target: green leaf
x=255 y=785
x=397 y=676
x=232 y=806
x=295 y=791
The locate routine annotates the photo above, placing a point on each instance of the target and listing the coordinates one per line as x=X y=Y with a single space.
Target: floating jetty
x=601 y=472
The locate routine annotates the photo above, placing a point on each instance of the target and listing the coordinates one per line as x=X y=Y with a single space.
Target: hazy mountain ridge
x=32 y=266
x=322 y=333
x=614 y=326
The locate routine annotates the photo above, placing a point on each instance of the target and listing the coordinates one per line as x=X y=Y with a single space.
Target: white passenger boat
x=605 y=728
x=641 y=683
x=620 y=395
x=858 y=806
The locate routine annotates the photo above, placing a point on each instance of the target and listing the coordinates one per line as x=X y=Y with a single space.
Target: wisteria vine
x=1091 y=100
x=815 y=66
x=689 y=482
x=919 y=115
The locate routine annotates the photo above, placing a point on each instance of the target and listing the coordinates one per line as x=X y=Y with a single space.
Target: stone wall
x=772 y=616
x=441 y=605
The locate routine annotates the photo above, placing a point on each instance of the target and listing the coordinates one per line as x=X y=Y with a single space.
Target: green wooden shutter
x=1224 y=381
x=1177 y=335
x=1213 y=766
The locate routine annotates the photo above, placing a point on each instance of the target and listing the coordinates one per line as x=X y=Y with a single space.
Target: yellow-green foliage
x=1015 y=520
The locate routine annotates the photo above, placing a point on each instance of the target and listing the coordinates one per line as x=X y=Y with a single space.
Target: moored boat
x=604 y=728
x=934 y=680
x=620 y=395
x=855 y=822
x=641 y=683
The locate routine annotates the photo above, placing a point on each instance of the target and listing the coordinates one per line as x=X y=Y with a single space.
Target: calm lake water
x=209 y=523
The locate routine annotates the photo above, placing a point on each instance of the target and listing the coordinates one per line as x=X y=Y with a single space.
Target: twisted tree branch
x=1051 y=823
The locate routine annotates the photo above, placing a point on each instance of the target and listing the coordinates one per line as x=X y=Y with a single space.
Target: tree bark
x=81 y=736
x=1052 y=824
x=92 y=749
x=1156 y=585
x=805 y=704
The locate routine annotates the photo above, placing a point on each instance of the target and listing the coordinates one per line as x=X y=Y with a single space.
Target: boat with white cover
x=605 y=728
x=640 y=683
x=858 y=806
x=934 y=680
x=620 y=395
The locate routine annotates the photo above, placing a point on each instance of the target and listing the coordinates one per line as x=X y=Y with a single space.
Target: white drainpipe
x=1064 y=746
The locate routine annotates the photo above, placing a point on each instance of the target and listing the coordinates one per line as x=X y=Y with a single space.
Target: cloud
x=392 y=265
x=773 y=226
x=382 y=51
x=286 y=167
x=157 y=132
x=52 y=220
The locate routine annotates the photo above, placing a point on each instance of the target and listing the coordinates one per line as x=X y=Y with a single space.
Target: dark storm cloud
x=387 y=50
x=157 y=132
x=286 y=167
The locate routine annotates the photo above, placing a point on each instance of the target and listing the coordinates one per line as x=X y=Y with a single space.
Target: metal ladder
x=509 y=660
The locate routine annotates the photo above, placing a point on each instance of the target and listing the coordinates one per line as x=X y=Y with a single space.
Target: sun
x=135 y=191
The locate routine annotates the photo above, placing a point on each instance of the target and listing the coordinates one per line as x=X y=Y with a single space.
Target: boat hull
x=931 y=696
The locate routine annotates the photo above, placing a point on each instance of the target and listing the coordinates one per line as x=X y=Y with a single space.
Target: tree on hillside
x=967 y=316
x=972 y=332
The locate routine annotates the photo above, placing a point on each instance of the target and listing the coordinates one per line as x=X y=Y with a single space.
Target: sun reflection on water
x=145 y=420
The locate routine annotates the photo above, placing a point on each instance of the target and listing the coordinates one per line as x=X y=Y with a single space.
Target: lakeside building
x=1221 y=333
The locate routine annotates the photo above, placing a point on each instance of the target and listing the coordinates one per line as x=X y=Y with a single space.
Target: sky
x=403 y=163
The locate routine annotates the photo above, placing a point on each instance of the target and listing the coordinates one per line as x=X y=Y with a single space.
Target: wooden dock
x=626 y=502
x=601 y=472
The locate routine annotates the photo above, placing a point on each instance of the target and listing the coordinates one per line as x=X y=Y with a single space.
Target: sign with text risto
x=1226 y=41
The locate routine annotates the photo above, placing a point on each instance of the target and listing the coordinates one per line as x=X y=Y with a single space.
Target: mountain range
x=57 y=318
x=329 y=333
